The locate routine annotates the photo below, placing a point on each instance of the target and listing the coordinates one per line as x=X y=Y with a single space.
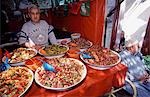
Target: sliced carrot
x=43 y=52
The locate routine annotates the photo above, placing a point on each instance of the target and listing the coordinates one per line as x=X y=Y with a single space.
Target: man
x=36 y=31
x=119 y=46
x=136 y=69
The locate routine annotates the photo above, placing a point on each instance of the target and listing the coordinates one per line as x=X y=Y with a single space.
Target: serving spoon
x=86 y=55
x=47 y=66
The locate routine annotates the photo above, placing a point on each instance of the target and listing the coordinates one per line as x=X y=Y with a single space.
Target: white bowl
x=75 y=35
x=66 y=40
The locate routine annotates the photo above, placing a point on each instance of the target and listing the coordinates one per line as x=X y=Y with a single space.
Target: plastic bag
x=44 y=4
x=85 y=8
x=75 y=7
x=5 y=65
x=55 y=3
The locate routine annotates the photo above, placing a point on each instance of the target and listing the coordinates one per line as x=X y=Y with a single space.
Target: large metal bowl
x=102 y=67
x=54 y=55
x=84 y=72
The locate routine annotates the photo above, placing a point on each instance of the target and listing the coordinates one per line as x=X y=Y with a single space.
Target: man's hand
x=37 y=47
x=145 y=78
x=30 y=44
x=27 y=44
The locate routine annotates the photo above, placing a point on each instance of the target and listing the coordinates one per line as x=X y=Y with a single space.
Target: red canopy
x=91 y=27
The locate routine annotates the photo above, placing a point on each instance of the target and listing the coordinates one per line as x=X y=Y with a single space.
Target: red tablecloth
x=96 y=83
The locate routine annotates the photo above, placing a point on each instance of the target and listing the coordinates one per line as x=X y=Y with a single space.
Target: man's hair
x=33 y=6
x=123 y=31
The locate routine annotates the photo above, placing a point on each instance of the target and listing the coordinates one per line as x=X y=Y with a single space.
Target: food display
x=53 y=50
x=80 y=43
x=15 y=81
x=34 y=63
x=101 y=57
x=21 y=54
x=73 y=53
x=69 y=72
x=63 y=41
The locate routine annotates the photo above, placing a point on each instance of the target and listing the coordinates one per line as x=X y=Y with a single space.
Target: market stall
x=56 y=73
x=74 y=66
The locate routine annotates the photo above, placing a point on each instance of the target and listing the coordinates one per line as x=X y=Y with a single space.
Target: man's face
x=135 y=48
x=35 y=15
x=122 y=34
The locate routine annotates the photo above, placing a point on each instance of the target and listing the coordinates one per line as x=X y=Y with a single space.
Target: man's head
x=122 y=34
x=132 y=46
x=34 y=13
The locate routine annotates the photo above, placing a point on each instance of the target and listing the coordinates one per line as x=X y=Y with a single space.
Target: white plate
x=54 y=56
x=59 y=41
x=83 y=49
x=29 y=83
x=98 y=67
x=84 y=72
x=86 y=48
x=21 y=63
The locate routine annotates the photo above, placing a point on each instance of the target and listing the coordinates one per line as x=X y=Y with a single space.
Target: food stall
x=77 y=66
